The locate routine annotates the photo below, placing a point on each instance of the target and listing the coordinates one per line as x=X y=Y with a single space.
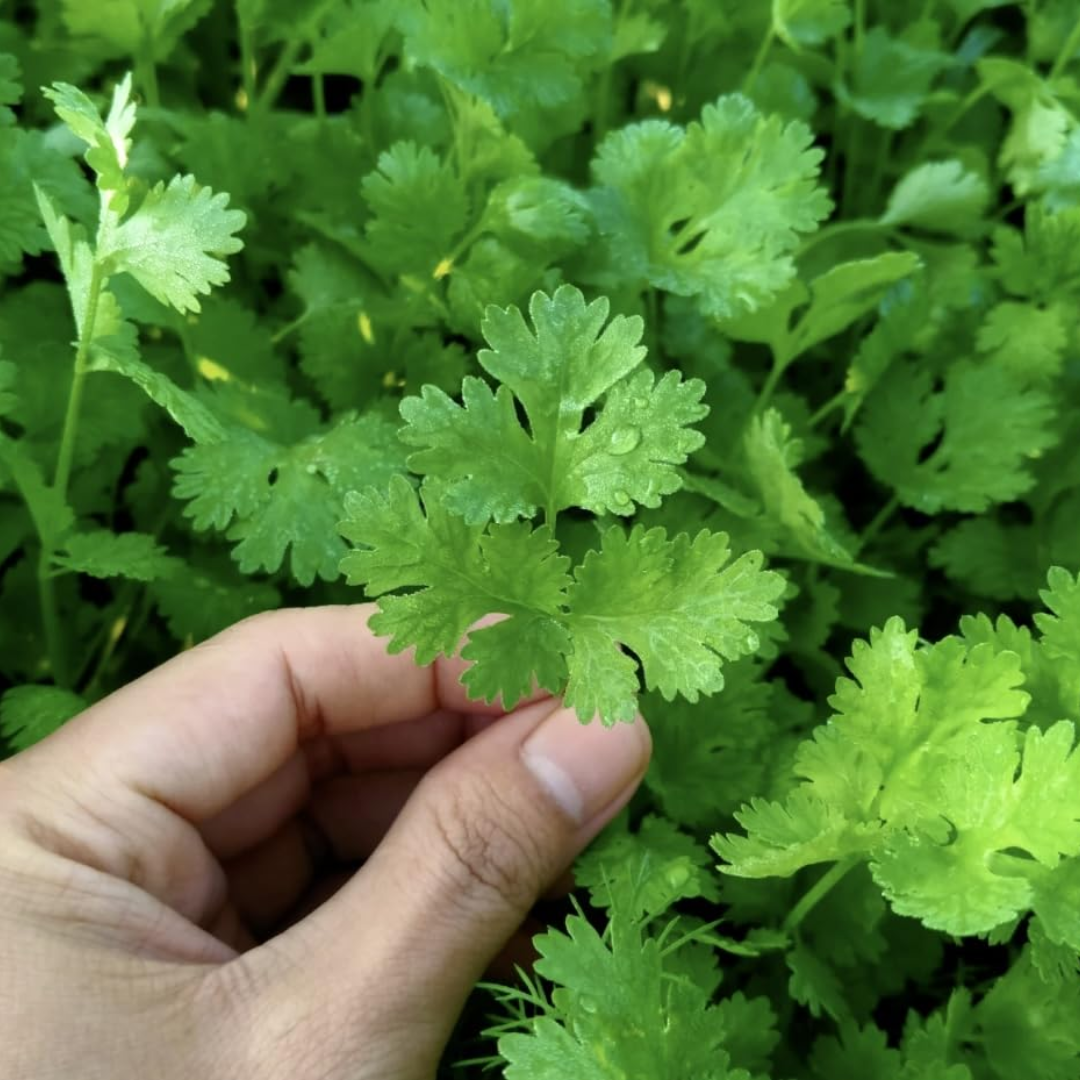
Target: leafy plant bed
x=711 y=342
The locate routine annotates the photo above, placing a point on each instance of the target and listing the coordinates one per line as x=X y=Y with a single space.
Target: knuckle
x=490 y=853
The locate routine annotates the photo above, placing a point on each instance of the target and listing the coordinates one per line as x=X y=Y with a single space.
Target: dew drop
x=312 y=470
x=620 y=498
x=752 y=642
x=588 y=1004
x=625 y=439
x=641 y=404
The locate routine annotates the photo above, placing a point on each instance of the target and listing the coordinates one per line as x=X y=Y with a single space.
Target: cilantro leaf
x=676 y=603
x=174 y=243
x=986 y=424
x=892 y=77
x=495 y=468
x=772 y=455
x=104 y=554
x=10 y=88
x=713 y=211
x=668 y=600
x=108 y=139
x=809 y=22
x=617 y=1010
x=418 y=207
x=274 y=498
x=530 y=55
x=29 y=713
x=941 y=196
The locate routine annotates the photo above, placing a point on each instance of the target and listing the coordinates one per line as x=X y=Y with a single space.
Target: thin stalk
x=147 y=73
x=283 y=332
x=834 y=403
x=881 y=164
x=602 y=108
x=860 y=26
x=769 y=388
x=318 y=92
x=50 y=618
x=1068 y=50
x=279 y=73
x=817 y=892
x=247 y=62
x=878 y=521
x=838 y=228
x=759 y=59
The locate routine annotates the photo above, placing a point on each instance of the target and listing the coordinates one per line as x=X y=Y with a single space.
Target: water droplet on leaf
x=588 y=1004
x=625 y=439
x=312 y=469
x=620 y=498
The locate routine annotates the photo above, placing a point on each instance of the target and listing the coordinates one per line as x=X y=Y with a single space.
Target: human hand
x=150 y=844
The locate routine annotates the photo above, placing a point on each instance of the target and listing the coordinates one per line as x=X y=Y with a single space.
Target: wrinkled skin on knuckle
x=491 y=856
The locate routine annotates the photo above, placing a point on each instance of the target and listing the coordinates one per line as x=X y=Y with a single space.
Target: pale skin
x=161 y=908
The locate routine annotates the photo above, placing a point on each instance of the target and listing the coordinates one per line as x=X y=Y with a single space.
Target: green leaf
x=1024 y=339
x=418 y=207
x=569 y=362
x=963 y=447
x=174 y=244
x=108 y=139
x=892 y=77
x=669 y=601
x=463 y=573
x=10 y=88
x=647 y=871
x=104 y=554
x=124 y=27
x=534 y=54
x=941 y=197
x=713 y=211
x=30 y=713
x=675 y=603
x=197 y=421
x=772 y=455
x=801 y=23
x=274 y=498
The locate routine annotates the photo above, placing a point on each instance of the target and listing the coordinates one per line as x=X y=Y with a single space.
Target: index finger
x=209 y=725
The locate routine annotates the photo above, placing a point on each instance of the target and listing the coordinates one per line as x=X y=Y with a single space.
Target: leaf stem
x=769 y=387
x=817 y=892
x=834 y=403
x=837 y=228
x=878 y=521
x=49 y=615
x=318 y=93
x=147 y=71
x=280 y=73
x=759 y=58
x=1068 y=50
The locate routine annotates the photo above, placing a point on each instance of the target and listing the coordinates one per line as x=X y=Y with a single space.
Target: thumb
x=484 y=834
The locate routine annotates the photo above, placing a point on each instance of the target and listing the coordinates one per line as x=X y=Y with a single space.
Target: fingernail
x=585 y=766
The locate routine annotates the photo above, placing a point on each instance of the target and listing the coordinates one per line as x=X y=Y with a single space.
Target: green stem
x=769 y=388
x=318 y=91
x=759 y=59
x=146 y=69
x=834 y=403
x=878 y=521
x=860 y=26
x=1068 y=50
x=817 y=892
x=283 y=332
x=247 y=63
x=602 y=107
x=837 y=228
x=279 y=74
x=54 y=637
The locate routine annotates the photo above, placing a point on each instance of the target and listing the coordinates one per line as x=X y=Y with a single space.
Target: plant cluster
x=709 y=343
